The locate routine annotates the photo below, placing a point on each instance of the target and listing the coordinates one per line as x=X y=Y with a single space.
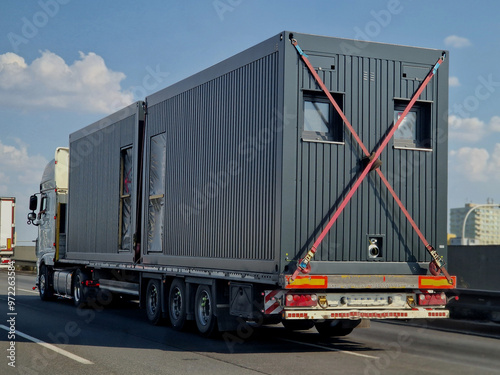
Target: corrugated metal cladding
x=246 y=189
x=221 y=170
x=370 y=83
x=94 y=186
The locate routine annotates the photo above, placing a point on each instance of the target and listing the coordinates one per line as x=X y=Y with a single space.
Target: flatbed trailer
x=206 y=199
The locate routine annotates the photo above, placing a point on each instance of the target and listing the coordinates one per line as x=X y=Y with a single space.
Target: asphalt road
x=56 y=338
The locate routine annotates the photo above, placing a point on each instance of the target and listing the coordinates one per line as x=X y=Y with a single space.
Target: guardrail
x=25 y=257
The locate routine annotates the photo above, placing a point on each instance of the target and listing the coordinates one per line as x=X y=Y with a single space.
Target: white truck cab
x=51 y=216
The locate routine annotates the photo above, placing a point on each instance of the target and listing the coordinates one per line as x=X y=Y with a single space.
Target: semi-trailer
x=7 y=229
x=302 y=180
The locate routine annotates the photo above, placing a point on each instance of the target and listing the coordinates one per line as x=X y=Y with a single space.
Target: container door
x=156 y=196
x=126 y=189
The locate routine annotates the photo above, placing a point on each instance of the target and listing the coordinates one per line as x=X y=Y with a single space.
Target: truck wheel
x=46 y=291
x=177 y=304
x=336 y=327
x=204 y=306
x=153 y=302
x=80 y=292
x=298 y=325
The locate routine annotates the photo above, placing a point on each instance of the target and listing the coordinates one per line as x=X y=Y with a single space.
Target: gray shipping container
x=245 y=162
x=104 y=181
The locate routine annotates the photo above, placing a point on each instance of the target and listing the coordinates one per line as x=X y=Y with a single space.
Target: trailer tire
x=80 y=292
x=154 y=302
x=177 y=300
x=45 y=289
x=204 y=306
x=332 y=328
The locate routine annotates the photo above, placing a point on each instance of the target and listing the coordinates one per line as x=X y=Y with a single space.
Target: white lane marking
x=51 y=347
x=331 y=349
x=27 y=290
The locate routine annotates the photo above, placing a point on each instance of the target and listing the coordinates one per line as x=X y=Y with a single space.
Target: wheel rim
x=204 y=309
x=176 y=304
x=77 y=289
x=42 y=283
x=153 y=300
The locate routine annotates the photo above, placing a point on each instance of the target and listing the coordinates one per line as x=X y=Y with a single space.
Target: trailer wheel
x=204 y=306
x=177 y=304
x=46 y=291
x=153 y=302
x=80 y=292
x=340 y=327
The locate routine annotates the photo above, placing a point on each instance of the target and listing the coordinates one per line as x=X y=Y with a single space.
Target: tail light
x=301 y=300
x=431 y=299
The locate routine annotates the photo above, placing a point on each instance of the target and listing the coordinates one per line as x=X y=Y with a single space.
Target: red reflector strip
x=374 y=315
x=307 y=282
x=436 y=282
x=297 y=315
x=437 y=314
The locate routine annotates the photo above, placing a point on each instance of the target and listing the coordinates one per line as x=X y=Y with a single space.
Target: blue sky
x=67 y=63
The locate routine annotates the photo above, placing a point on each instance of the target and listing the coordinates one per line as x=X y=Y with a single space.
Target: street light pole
x=467 y=215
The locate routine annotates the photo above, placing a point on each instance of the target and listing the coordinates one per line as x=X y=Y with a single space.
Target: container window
x=156 y=204
x=126 y=186
x=321 y=120
x=415 y=129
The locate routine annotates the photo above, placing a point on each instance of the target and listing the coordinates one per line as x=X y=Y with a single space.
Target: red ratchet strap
x=436 y=265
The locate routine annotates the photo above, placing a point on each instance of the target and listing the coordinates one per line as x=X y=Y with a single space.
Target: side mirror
x=33 y=202
x=33 y=207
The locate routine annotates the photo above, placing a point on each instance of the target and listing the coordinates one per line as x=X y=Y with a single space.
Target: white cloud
x=20 y=174
x=453 y=81
x=17 y=167
x=495 y=124
x=87 y=85
x=3 y=187
x=471 y=129
x=476 y=164
x=456 y=41
x=470 y=162
x=466 y=129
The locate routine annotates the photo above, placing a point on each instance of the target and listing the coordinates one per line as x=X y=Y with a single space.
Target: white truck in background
x=7 y=228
